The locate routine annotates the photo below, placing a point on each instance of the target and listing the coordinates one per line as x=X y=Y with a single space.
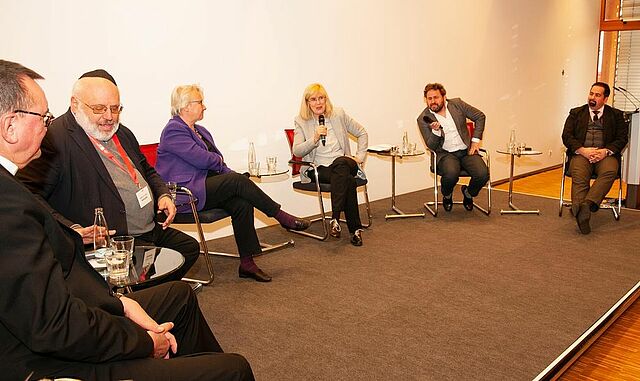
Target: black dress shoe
x=258 y=274
x=301 y=224
x=466 y=201
x=582 y=218
x=335 y=228
x=447 y=203
x=356 y=238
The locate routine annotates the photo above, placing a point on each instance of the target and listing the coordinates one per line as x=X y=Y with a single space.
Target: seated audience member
x=188 y=156
x=594 y=135
x=443 y=125
x=58 y=317
x=322 y=137
x=90 y=160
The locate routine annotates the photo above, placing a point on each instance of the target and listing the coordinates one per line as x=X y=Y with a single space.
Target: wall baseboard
x=523 y=175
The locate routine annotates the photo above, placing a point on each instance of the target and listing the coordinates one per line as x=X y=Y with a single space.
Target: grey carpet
x=459 y=297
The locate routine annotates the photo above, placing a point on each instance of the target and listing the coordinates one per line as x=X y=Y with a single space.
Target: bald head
x=93 y=102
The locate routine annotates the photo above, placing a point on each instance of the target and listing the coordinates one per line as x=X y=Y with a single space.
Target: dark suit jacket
x=460 y=111
x=54 y=306
x=72 y=178
x=616 y=130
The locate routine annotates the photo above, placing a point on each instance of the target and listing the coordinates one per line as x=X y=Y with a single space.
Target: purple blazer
x=183 y=158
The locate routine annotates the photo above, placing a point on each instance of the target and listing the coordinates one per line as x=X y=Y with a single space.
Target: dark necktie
x=595 y=116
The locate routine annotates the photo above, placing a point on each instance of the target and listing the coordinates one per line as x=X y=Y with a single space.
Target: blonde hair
x=182 y=95
x=311 y=90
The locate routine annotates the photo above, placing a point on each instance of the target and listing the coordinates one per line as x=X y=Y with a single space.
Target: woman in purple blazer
x=188 y=156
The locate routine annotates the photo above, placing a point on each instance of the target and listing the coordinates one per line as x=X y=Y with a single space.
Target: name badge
x=144 y=197
x=149 y=257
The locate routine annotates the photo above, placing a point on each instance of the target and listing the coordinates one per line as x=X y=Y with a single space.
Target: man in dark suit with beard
x=90 y=160
x=594 y=135
x=58 y=317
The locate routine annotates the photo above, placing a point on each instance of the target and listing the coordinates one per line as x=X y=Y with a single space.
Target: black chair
x=432 y=206
x=615 y=204
x=317 y=187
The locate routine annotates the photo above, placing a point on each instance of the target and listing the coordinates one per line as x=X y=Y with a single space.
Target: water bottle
x=101 y=239
x=252 y=155
x=512 y=142
x=405 y=143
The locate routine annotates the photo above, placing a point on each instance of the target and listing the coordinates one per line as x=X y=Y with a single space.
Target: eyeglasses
x=47 y=117
x=319 y=99
x=101 y=109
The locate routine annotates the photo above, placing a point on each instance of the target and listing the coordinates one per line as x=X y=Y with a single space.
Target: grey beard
x=93 y=130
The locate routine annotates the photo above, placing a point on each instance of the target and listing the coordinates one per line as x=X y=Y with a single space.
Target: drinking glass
x=119 y=258
x=254 y=168
x=272 y=162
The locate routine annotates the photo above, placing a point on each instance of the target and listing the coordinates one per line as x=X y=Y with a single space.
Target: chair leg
x=368 y=207
x=322 y=218
x=434 y=203
x=204 y=250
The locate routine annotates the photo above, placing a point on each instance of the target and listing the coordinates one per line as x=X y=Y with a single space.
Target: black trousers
x=344 y=196
x=238 y=195
x=172 y=239
x=199 y=355
x=450 y=164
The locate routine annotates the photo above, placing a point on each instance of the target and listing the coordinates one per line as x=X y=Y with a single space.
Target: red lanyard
x=129 y=166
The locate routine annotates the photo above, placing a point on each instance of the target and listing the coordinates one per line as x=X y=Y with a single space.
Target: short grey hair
x=13 y=92
x=182 y=95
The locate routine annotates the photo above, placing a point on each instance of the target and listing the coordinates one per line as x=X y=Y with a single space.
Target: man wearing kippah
x=90 y=160
x=58 y=317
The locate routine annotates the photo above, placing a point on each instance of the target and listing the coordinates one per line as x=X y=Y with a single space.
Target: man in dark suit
x=443 y=125
x=90 y=160
x=57 y=315
x=594 y=135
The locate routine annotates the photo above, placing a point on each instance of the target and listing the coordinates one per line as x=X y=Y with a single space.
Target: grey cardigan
x=343 y=125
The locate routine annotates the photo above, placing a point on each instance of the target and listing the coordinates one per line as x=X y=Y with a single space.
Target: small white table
x=393 y=153
x=518 y=152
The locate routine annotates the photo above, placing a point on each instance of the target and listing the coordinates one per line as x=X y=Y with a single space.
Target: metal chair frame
x=616 y=206
x=323 y=216
x=317 y=187
x=432 y=206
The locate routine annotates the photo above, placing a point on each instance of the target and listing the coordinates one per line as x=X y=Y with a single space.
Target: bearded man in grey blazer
x=443 y=125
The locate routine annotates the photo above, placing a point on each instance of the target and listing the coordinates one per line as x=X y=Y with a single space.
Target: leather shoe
x=447 y=203
x=582 y=218
x=466 y=201
x=335 y=228
x=300 y=224
x=258 y=274
x=356 y=238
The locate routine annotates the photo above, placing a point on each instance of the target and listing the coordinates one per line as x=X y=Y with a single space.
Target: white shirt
x=326 y=154
x=8 y=165
x=452 y=140
x=600 y=111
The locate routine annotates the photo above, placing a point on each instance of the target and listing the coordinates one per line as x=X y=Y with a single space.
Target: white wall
x=254 y=58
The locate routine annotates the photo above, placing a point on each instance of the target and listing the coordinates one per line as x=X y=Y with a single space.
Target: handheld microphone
x=428 y=119
x=323 y=138
x=624 y=93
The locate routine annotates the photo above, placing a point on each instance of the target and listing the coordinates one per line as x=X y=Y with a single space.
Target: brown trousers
x=606 y=171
